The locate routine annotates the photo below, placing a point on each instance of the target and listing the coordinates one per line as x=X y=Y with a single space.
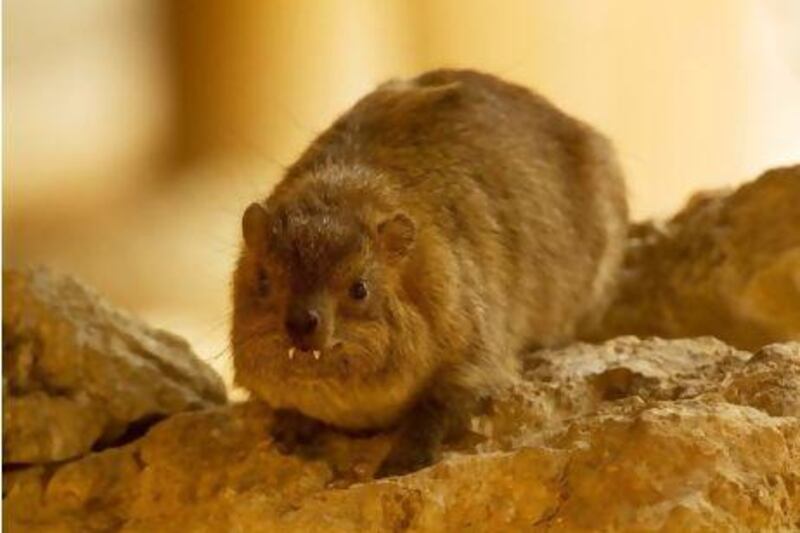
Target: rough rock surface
x=79 y=375
x=631 y=435
x=728 y=265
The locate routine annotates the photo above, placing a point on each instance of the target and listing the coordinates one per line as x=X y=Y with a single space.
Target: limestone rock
x=728 y=265
x=78 y=374
x=689 y=434
x=630 y=435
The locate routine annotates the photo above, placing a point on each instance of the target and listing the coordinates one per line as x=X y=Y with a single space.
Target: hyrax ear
x=396 y=235
x=410 y=96
x=254 y=226
x=438 y=94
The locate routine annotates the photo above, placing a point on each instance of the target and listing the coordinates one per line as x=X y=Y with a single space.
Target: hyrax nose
x=302 y=322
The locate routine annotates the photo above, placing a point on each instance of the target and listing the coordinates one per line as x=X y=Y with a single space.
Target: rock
x=110 y=425
x=79 y=375
x=630 y=435
x=768 y=381
x=728 y=265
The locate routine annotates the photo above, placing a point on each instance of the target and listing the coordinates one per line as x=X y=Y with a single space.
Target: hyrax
x=435 y=231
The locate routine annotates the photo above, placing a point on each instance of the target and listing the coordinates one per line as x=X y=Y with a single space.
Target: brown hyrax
x=438 y=229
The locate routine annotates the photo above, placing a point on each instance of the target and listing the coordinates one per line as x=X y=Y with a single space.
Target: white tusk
x=291 y=352
x=317 y=354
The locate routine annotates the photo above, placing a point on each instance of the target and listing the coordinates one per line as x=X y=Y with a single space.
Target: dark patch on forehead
x=310 y=242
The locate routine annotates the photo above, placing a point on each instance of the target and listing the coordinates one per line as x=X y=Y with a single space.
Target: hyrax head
x=318 y=297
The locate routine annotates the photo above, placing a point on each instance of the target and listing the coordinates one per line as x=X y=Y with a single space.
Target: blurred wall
x=262 y=77
x=86 y=99
x=137 y=130
x=695 y=94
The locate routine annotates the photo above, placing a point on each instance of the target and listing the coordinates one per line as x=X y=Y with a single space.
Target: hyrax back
x=432 y=233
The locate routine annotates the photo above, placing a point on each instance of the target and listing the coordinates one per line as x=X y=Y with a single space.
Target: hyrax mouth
x=295 y=352
x=316 y=353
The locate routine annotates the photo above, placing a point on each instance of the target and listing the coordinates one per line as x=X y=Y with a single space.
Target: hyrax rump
x=435 y=231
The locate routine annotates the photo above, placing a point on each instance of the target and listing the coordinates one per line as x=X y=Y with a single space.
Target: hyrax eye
x=262 y=283
x=358 y=290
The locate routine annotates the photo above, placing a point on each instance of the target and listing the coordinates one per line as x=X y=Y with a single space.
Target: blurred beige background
x=136 y=131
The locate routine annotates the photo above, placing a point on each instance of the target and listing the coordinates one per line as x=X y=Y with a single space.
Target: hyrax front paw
x=292 y=431
x=404 y=460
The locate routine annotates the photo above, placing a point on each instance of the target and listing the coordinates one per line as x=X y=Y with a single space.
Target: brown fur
x=485 y=222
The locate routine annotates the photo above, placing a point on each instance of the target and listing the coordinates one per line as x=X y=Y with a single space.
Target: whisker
x=241 y=343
